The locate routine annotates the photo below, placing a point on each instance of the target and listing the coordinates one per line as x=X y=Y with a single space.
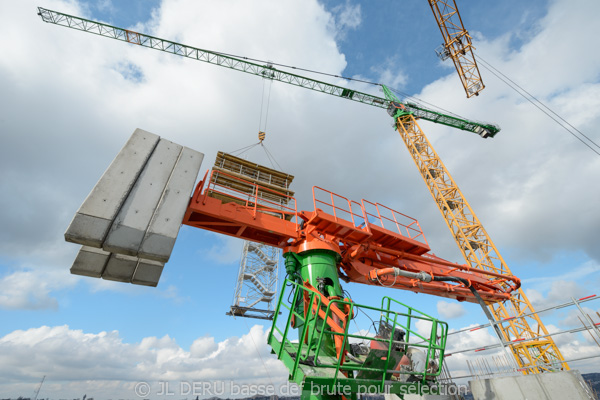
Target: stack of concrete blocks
x=129 y=222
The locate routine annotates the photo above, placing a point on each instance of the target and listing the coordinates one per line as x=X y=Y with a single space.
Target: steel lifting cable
x=241 y=151
x=262 y=102
x=268 y=103
x=538 y=104
x=263 y=129
x=271 y=157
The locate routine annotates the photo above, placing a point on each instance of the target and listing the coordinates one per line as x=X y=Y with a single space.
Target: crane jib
x=266 y=71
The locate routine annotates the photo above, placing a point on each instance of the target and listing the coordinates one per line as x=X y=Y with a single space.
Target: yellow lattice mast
x=524 y=335
x=457 y=45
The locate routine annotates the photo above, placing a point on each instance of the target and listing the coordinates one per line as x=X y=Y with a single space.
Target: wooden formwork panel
x=273 y=185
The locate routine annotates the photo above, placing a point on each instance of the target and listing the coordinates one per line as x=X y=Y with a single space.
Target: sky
x=70 y=100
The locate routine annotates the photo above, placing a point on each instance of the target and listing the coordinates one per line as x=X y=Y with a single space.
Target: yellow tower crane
x=457 y=45
x=520 y=331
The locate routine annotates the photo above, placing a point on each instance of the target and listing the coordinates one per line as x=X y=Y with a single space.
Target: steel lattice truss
x=457 y=45
x=241 y=64
x=257 y=282
x=525 y=335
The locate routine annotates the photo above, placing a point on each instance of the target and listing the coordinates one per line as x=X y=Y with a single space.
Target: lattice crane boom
x=457 y=45
x=265 y=71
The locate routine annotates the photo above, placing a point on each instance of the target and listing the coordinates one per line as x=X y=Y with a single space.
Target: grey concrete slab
x=90 y=261
x=120 y=268
x=547 y=386
x=95 y=216
x=147 y=272
x=129 y=227
x=164 y=227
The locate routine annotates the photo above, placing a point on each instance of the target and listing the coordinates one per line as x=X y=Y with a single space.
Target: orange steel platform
x=368 y=236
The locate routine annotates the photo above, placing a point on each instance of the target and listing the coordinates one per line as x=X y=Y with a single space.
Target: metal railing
x=249 y=194
x=390 y=219
x=315 y=331
x=343 y=211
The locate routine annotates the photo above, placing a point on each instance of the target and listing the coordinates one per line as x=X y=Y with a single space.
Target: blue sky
x=71 y=100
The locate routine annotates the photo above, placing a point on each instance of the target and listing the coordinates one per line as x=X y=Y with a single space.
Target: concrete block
x=147 y=272
x=95 y=216
x=90 y=261
x=546 y=386
x=120 y=268
x=163 y=229
x=129 y=227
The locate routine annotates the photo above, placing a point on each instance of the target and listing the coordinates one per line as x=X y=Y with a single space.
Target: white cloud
x=546 y=291
x=450 y=310
x=348 y=15
x=391 y=73
x=226 y=250
x=564 y=291
x=101 y=364
x=582 y=273
x=536 y=299
x=574 y=317
x=30 y=289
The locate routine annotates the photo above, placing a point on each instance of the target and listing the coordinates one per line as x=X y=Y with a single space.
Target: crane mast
x=526 y=336
x=37 y=390
x=457 y=45
x=522 y=331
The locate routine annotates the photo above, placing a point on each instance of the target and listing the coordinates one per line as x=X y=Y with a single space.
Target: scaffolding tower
x=257 y=282
x=247 y=183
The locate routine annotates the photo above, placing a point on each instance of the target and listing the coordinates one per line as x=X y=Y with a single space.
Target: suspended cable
x=272 y=157
x=502 y=77
x=262 y=100
x=243 y=149
x=268 y=156
x=268 y=102
x=544 y=105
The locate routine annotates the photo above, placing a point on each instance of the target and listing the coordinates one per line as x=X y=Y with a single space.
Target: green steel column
x=318 y=267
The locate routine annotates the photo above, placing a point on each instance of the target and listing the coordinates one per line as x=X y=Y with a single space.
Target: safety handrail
x=404 y=319
x=411 y=230
x=260 y=203
x=335 y=208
